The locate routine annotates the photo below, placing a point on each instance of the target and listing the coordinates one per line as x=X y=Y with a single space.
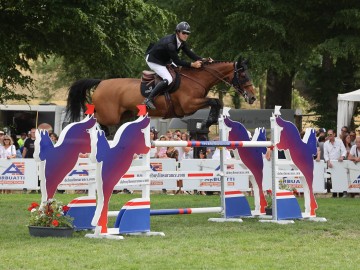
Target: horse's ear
x=247 y=62
x=242 y=65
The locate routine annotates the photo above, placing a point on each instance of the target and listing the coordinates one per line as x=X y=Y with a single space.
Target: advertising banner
x=17 y=174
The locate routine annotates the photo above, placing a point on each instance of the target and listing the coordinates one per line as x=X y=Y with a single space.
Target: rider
x=166 y=51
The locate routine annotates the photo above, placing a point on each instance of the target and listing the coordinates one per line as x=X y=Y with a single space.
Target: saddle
x=150 y=79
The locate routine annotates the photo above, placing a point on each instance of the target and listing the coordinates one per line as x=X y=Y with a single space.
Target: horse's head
x=242 y=82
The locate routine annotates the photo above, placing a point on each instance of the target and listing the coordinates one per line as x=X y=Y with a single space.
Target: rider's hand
x=207 y=60
x=196 y=64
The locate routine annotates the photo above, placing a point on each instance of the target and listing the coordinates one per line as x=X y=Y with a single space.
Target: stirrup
x=149 y=104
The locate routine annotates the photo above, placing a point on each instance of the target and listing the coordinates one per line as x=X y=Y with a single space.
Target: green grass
x=191 y=242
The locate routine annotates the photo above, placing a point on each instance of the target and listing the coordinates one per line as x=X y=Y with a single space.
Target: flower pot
x=50 y=232
x=268 y=211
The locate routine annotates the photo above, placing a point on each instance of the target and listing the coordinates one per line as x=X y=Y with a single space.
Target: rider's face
x=183 y=36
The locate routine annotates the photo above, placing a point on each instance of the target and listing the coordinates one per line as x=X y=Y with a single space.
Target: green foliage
x=299 y=102
x=95 y=38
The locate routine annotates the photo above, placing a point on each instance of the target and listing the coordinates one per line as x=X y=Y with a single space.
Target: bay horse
x=115 y=98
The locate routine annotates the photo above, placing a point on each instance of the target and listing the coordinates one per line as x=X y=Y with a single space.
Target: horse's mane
x=205 y=64
x=217 y=62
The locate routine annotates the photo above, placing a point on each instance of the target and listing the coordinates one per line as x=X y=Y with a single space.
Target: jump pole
x=223 y=134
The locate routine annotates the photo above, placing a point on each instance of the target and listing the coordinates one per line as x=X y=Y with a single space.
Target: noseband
x=235 y=81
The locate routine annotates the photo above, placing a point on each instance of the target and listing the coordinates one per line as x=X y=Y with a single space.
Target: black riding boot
x=157 y=90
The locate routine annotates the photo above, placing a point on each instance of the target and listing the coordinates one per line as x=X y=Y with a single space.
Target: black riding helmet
x=183 y=27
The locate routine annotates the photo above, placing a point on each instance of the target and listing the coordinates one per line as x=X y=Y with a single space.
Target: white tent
x=346 y=105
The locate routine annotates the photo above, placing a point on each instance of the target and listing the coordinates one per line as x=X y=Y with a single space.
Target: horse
x=56 y=161
x=301 y=152
x=252 y=157
x=114 y=160
x=115 y=98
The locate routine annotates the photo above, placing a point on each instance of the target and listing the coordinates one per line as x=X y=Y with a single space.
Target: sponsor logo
x=14 y=174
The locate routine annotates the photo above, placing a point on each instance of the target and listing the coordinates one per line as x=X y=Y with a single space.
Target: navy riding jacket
x=165 y=51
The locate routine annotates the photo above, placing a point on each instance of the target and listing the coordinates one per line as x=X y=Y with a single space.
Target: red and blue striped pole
x=211 y=143
x=184 y=211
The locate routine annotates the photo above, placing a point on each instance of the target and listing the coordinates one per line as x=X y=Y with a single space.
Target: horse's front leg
x=215 y=106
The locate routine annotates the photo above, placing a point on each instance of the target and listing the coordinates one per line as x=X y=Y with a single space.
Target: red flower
x=269 y=191
x=55 y=223
x=32 y=206
x=65 y=208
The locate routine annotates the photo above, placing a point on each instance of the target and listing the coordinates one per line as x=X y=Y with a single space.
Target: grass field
x=191 y=242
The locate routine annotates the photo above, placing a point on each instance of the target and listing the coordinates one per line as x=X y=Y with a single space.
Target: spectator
x=354 y=154
x=8 y=150
x=54 y=137
x=1 y=136
x=17 y=147
x=321 y=141
x=172 y=152
x=169 y=135
x=347 y=143
x=155 y=132
x=161 y=151
x=321 y=132
x=29 y=145
x=21 y=140
x=187 y=151
x=344 y=132
x=334 y=149
x=152 y=149
x=353 y=137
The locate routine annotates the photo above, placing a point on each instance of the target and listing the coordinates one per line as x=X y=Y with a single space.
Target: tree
x=279 y=36
x=95 y=38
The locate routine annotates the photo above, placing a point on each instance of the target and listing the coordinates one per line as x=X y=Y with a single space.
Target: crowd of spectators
x=20 y=146
x=330 y=147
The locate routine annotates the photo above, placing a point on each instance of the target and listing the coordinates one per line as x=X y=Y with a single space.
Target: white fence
x=196 y=174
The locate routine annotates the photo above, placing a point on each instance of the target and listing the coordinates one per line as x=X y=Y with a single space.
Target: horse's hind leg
x=215 y=106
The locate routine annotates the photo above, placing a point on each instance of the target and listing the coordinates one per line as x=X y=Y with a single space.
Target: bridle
x=235 y=81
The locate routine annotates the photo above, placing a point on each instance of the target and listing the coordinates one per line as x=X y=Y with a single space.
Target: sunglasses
x=6 y=139
x=330 y=134
x=184 y=33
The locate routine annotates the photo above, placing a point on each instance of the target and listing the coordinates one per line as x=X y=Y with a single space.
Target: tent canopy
x=346 y=105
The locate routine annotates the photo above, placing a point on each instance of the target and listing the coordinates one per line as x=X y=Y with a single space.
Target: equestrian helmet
x=183 y=27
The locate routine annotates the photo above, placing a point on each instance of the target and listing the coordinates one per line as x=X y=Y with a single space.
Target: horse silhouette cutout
x=252 y=157
x=114 y=160
x=116 y=99
x=56 y=161
x=302 y=152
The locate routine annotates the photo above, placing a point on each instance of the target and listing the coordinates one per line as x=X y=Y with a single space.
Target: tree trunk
x=278 y=90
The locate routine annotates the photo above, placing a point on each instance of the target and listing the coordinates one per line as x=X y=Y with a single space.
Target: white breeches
x=160 y=70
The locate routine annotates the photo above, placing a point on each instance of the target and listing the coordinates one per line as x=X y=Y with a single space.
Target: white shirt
x=333 y=151
x=354 y=152
x=178 y=42
x=216 y=154
x=4 y=153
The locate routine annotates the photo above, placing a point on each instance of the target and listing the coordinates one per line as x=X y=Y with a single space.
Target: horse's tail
x=79 y=93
